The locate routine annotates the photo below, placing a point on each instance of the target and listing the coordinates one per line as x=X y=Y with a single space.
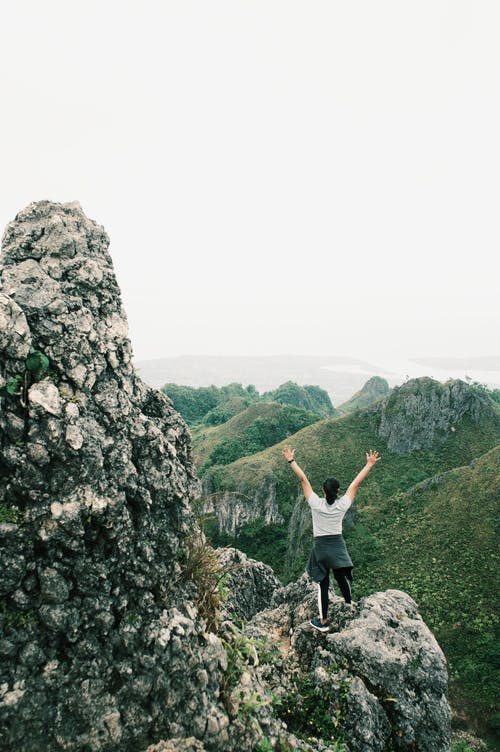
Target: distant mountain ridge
x=374 y=389
x=339 y=376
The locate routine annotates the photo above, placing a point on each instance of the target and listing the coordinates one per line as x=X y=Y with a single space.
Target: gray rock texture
x=250 y=584
x=233 y=509
x=390 y=649
x=423 y=413
x=101 y=648
x=392 y=671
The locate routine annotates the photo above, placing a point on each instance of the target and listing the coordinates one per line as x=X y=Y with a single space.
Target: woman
x=329 y=551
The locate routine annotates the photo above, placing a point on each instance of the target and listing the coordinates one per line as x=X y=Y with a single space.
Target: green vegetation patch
x=312 y=398
x=194 y=403
x=439 y=543
x=314 y=711
x=213 y=406
x=259 y=426
x=374 y=389
x=9 y=513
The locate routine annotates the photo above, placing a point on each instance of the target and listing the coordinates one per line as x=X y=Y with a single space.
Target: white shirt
x=327 y=518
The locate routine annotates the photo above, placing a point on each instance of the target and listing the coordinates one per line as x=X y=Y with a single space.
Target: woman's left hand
x=288 y=452
x=372 y=457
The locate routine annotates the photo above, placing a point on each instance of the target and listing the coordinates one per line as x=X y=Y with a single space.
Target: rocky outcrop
x=233 y=508
x=101 y=647
x=250 y=585
x=423 y=413
x=379 y=671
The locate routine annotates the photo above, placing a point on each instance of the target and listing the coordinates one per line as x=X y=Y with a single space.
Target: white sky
x=275 y=176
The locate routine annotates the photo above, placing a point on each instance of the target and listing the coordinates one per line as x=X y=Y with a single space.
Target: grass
x=255 y=428
x=313 y=711
x=439 y=543
x=201 y=567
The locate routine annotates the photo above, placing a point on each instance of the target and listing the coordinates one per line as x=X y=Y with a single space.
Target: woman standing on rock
x=329 y=551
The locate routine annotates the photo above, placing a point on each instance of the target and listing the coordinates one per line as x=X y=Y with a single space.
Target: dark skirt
x=328 y=552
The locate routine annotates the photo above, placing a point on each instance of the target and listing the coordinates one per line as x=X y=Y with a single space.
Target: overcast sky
x=275 y=176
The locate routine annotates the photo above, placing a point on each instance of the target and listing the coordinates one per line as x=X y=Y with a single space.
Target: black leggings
x=344 y=579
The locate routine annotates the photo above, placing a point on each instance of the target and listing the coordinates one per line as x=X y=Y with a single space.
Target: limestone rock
x=423 y=413
x=250 y=584
x=234 y=509
x=396 y=656
x=392 y=669
x=46 y=396
x=15 y=338
x=178 y=745
x=102 y=648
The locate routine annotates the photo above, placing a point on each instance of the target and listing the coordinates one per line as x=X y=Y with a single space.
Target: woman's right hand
x=288 y=452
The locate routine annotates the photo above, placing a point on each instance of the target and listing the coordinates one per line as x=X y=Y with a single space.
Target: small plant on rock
x=37 y=364
x=10 y=514
x=312 y=711
x=264 y=746
x=201 y=566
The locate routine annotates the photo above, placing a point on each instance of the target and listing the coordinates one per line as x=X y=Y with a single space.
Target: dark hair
x=331 y=488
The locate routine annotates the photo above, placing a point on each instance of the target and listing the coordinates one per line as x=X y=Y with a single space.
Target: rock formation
x=423 y=413
x=102 y=644
x=379 y=672
x=251 y=584
x=233 y=509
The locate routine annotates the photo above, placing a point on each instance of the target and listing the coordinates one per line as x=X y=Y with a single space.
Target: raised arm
x=289 y=454
x=371 y=458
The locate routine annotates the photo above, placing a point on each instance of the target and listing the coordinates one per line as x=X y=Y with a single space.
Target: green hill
x=213 y=406
x=311 y=398
x=439 y=543
x=259 y=426
x=422 y=428
x=219 y=403
x=374 y=389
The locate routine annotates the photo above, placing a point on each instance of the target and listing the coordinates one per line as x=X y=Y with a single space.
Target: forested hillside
x=212 y=406
x=259 y=426
x=421 y=429
x=374 y=389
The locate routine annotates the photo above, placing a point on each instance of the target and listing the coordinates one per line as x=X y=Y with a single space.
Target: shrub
x=201 y=566
x=313 y=710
